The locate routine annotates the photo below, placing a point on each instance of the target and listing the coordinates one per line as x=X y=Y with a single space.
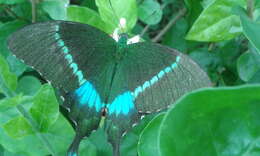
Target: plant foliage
x=222 y=36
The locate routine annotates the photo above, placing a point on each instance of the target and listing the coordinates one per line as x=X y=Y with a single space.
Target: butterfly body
x=96 y=73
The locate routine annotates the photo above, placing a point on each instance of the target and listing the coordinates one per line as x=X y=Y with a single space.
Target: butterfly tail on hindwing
x=116 y=126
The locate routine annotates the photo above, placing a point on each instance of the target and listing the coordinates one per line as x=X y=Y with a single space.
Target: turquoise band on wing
x=122 y=104
x=155 y=79
x=87 y=96
x=68 y=57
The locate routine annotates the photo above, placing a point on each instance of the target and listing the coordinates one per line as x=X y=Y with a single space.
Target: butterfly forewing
x=66 y=53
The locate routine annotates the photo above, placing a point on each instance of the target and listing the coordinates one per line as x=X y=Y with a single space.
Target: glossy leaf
x=148 y=143
x=87 y=148
x=150 y=12
x=8 y=80
x=18 y=127
x=57 y=10
x=5 y=30
x=194 y=9
x=45 y=109
x=87 y=16
x=59 y=136
x=252 y=31
x=8 y=103
x=175 y=36
x=111 y=11
x=11 y=1
x=247 y=66
x=99 y=139
x=130 y=140
x=220 y=121
x=216 y=22
x=16 y=66
x=28 y=85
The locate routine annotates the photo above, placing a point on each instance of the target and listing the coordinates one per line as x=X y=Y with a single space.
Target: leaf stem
x=34 y=7
x=180 y=14
x=146 y=28
x=250 y=8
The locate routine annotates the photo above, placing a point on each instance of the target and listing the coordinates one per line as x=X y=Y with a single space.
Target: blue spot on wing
x=72 y=154
x=146 y=85
x=61 y=43
x=122 y=104
x=65 y=50
x=161 y=74
x=87 y=95
x=174 y=65
x=57 y=36
x=154 y=79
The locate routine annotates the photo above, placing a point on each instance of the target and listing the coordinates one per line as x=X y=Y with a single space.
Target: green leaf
x=174 y=38
x=129 y=143
x=99 y=139
x=208 y=61
x=87 y=148
x=149 y=11
x=195 y=8
x=214 y=121
x=59 y=135
x=28 y=85
x=89 y=4
x=8 y=103
x=148 y=144
x=252 y=31
x=168 y=1
x=45 y=109
x=16 y=66
x=247 y=66
x=56 y=9
x=5 y=30
x=8 y=80
x=111 y=14
x=216 y=22
x=24 y=11
x=11 y=1
x=87 y=16
x=18 y=127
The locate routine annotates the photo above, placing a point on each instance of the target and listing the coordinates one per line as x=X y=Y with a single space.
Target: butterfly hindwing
x=149 y=78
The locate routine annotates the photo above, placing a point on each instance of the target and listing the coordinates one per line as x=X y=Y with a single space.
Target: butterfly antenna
x=117 y=17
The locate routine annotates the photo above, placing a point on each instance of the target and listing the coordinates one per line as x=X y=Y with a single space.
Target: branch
x=146 y=28
x=180 y=14
x=250 y=7
x=34 y=13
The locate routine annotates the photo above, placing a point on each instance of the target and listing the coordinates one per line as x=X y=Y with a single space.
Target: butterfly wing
x=75 y=58
x=63 y=52
x=149 y=78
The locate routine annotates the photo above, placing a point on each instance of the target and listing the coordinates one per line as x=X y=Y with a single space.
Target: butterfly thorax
x=121 y=47
x=122 y=41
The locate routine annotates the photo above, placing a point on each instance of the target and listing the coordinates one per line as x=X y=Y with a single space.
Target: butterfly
x=97 y=75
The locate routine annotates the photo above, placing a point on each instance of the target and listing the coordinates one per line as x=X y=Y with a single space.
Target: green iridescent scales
x=93 y=73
